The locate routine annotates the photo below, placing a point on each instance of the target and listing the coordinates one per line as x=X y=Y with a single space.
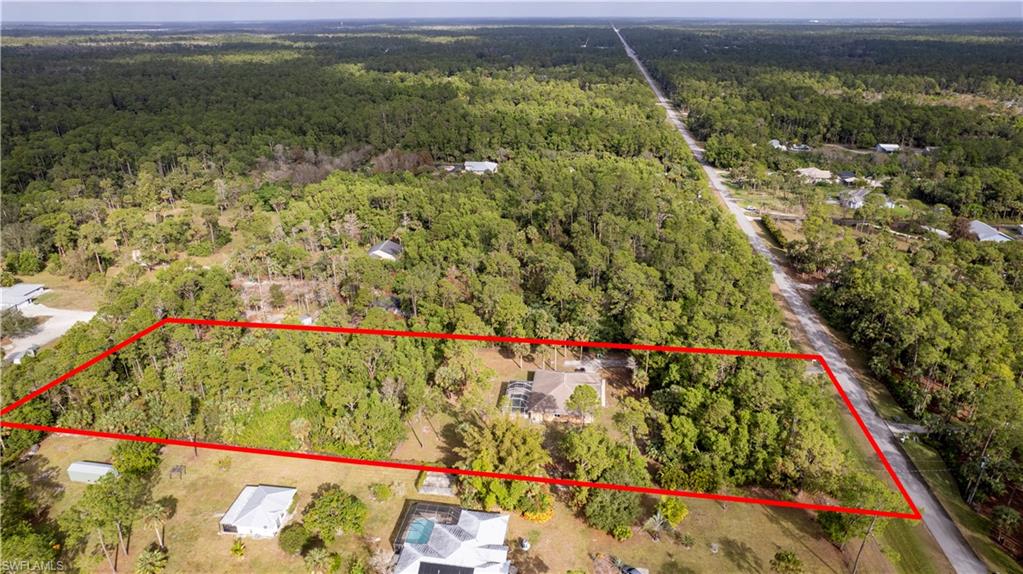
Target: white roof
x=888 y=147
x=18 y=294
x=985 y=232
x=392 y=248
x=814 y=173
x=259 y=507
x=84 y=466
x=939 y=232
x=476 y=541
x=480 y=166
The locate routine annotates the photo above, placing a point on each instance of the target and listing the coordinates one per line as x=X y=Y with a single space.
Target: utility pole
x=983 y=463
x=870 y=530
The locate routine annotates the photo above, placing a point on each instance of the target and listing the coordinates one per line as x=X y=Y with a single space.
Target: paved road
x=937 y=520
x=57 y=323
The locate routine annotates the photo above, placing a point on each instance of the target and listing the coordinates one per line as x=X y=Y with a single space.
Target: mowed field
x=726 y=537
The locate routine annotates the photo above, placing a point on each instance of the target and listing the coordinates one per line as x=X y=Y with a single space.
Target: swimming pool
x=419 y=531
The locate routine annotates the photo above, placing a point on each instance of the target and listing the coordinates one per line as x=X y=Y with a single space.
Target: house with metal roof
x=387 y=250
x=887 y=147
x=17 y=295
x=259 y=511
x=545 y=397
x=985 y=232
x=480 y=166
x=436 y=538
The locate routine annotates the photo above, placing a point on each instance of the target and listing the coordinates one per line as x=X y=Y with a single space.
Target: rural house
x=259 y=511
x=545 y=397
x=387 y=250
x=853 y=199
x=814 y=175
x=887 y=148
x=446 y=539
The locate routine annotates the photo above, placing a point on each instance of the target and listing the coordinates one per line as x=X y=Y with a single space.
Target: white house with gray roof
x=446 y=539
x=259 y=511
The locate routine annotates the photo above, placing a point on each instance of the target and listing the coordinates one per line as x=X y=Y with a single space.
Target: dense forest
x=287 y=157
x=954 y=91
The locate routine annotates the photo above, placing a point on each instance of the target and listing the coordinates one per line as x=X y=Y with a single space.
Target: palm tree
x=318 y=560
x=657 y=524
x=154 y=515
x=152 y=560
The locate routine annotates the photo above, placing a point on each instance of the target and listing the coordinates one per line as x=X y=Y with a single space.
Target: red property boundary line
x=913 y=515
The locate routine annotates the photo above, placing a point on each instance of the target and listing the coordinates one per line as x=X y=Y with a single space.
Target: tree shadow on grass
x=450 y=440
x=42 y=476
x=798 y=526
x=527 y=563
x=742 y=555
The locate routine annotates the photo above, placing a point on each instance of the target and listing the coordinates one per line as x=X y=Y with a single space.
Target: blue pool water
x=419 y=531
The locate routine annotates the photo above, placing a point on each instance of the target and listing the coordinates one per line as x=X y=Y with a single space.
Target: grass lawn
x=66 y=293
x=745 y=536
x=973 y=525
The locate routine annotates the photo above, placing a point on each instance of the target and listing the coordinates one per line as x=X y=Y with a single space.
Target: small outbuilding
x=847 y=177
x=776 y=144
x=480 y=166
x=89 y=472
x=800 y=148
x=387 y=250
x=259 y=511
x=17 y=295
x=887 y=147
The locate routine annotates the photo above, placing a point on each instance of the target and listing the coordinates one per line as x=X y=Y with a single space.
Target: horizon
x=64 y=13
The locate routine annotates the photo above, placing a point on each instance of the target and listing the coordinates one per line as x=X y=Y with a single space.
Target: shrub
x=277 y=298
x=200 y=249
x=420 y=478
x=673 y=509
x=786 y=562
x=334 y=510
x=152 y=560
x=622 y=532
x=136 y=458
x=238 y=548
x=293 y=538
x=774 y=231
x=380 y=491
x=14 y=323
